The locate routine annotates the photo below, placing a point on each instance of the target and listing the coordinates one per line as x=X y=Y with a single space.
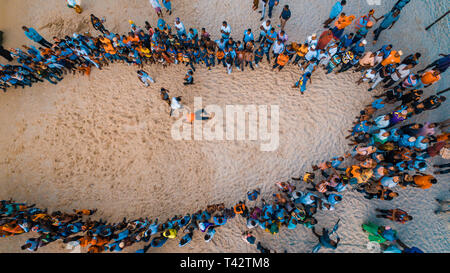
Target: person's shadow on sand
x=202 y=115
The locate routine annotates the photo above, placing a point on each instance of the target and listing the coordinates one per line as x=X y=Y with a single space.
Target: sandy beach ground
x=104 y=141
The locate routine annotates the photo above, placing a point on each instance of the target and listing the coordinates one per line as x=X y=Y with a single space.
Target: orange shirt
x=443 y=137
x=391 y=59
x=282 y=59
x=134 y=39
x=105 y=40
x=429 y=78
x=423 y=181
x=301 y=51
x=99 y=241
x=220 y=55
x=191 y=117
x=344 y=21
x=109 y=48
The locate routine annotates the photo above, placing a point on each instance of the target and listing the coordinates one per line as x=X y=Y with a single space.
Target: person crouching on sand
x=189 y=79
x=145 y=78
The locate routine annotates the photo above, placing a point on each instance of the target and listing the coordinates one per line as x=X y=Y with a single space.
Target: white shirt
x=369 y=75
x=311 y=54
x=312 y=42
x=402 y=71
x=278 y=48
x=175 y=104
x=266 y=27
x=155 y=4
x=72 y=2
x=381 y=122
x=180 y=26
x=226 y=29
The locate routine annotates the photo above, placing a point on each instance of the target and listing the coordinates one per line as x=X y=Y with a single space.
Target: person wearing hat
x=312 y=53
x=312 y=40
x=389 y=21
x=359 y=49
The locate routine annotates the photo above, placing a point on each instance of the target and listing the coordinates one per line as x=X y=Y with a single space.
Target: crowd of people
x=388 y=152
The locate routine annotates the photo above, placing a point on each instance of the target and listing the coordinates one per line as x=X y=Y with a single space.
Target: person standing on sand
x=429 y=78
x=277 y=48
x=272 y=4
x=180 y=28
x=75 y=4
x=189 y=78
x=249 y=57
x=324 y=239
x=335 y=11
x=265 y=27
x=401 y=4
x=442 y=64
x=168 y=5
x=340 y=25
x=5 y=54
x=175 y=104
x=442 y=203
x=389 y=21
x=285 y=16
x=157 y=6
x=281 y=61
x=255 y=4
x=324 y=39
x=396 y=215
x=33 y=35
x=302 y=82
x=225 y=30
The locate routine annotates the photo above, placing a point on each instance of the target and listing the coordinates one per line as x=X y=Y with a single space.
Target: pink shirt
x=426 y=130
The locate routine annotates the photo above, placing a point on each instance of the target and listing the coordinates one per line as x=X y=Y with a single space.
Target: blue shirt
x=306 y=199
x=248 y=37
x=220 y=44
x=332 y=200
x=33 y=34
x=401 y=4
x=272 y=3
x=389 y=19
x=335 y=163
x=385 y=51
x=336 y=10
x=420 y=145
x=286 y=14
x=273 y=35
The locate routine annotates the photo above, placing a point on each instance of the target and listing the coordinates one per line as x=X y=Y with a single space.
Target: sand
x=104 y=141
